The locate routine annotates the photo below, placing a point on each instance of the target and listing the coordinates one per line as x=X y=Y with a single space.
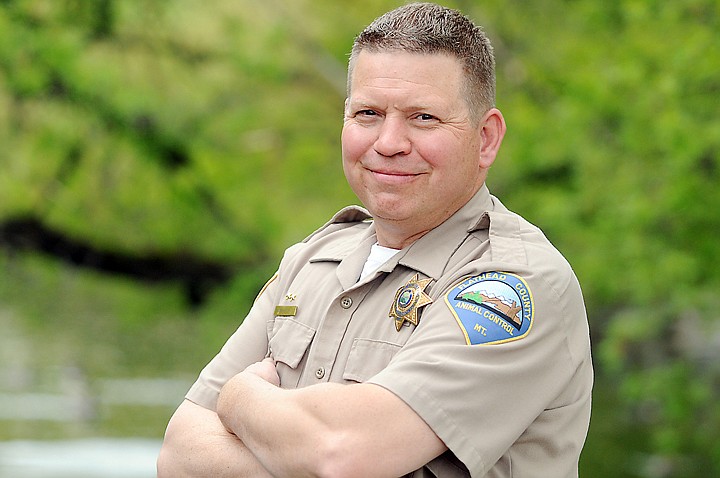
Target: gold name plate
x=286 y=310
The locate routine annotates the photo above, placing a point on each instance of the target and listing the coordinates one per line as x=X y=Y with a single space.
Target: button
x=346 y=302
x=320 y=372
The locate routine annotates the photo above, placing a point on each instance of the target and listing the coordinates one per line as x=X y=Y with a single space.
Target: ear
x=492 y=133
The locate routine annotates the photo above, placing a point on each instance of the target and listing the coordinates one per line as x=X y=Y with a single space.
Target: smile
x=393 y=177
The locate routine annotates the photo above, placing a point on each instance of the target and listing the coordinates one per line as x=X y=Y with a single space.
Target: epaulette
x=347 y=215
x=506 y=244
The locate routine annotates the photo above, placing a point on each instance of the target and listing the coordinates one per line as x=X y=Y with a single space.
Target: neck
x=400 y=233
x=394 y=235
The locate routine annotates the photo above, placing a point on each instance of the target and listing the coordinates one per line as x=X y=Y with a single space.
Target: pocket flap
x=367 y=358
x=290 y=342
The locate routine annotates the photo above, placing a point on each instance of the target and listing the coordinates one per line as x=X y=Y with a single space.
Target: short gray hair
x=433 y=29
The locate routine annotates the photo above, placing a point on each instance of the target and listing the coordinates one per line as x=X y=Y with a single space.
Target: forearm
x=286 y=440
x=326 y=429
x=197 y=444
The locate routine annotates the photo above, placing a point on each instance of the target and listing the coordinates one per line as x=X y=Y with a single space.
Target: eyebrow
x=362 y=103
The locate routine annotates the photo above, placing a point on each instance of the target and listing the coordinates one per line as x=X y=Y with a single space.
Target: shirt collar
x=430 y=253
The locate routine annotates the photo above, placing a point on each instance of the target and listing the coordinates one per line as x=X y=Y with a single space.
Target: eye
x=366 y=113
x=425 y=117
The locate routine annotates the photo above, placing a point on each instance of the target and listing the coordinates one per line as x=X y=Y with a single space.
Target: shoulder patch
x=492 y=308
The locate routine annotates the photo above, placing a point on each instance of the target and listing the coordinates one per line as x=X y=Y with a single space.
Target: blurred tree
x=211 y=130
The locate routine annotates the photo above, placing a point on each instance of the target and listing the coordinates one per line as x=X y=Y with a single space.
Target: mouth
x=393 y=177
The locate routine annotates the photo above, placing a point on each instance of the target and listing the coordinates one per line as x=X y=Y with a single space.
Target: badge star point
x=408 y=300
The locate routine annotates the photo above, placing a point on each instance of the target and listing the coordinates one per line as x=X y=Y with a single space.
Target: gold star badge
x=408 y=300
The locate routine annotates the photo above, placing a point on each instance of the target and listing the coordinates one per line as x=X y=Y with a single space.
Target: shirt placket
x=323 y=354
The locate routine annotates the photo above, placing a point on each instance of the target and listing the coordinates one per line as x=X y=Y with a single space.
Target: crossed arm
x=197 y=444
x=322 y=430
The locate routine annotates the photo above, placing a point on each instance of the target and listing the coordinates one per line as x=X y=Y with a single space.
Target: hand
x=266 y=370
x=260 y=375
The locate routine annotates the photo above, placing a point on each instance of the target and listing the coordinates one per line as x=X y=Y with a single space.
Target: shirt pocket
x=448 y=465
x=289 y=341
x=368 y=357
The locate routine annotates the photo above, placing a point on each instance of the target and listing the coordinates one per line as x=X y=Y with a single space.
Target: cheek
x=350 y=155
x=450 y=155
x=355 y=142
x=434 y=151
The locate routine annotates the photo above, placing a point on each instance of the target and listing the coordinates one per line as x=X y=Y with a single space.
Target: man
x=443 y=337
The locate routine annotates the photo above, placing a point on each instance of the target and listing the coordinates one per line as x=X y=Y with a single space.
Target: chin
x=387 y=214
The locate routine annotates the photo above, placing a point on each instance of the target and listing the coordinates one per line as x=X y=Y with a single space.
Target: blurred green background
x=156 y=157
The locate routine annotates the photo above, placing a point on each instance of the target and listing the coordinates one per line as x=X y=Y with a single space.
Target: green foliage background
x=211 y=128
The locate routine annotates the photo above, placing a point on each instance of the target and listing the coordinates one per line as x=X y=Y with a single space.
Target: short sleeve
x=479 y=398
x=249 y=344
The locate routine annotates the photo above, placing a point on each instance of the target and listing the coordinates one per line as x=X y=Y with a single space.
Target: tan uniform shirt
x=498 y=363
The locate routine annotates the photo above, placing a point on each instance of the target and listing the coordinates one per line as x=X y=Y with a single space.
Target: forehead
x=405 y=73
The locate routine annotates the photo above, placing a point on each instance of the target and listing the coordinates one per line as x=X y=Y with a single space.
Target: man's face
x=411 y=152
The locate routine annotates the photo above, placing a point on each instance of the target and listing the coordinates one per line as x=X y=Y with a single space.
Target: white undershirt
x=379 y=255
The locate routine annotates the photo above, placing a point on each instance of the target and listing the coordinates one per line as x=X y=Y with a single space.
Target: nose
x=393 y=137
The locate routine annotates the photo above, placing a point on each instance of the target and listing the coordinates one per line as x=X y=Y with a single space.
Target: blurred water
x=53 y=396
x=87 y=458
